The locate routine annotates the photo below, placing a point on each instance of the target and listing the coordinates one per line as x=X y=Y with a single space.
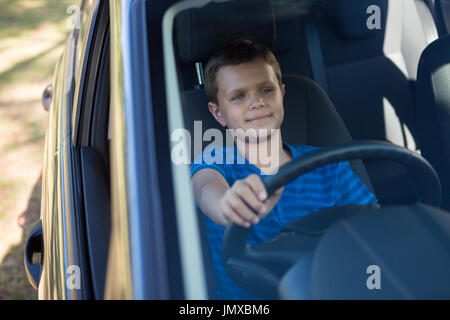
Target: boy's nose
x=256 y=102
x=256 y=106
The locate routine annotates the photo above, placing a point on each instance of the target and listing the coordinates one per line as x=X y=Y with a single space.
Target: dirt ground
x=32 y=33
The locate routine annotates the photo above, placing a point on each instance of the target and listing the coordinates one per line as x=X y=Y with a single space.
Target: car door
x=64 y=260
x=110 y=229
x=89 y=140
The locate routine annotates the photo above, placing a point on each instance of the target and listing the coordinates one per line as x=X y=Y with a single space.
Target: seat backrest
x=433 y=110
x=371 y=73
x=370 y=53
x=311 y=119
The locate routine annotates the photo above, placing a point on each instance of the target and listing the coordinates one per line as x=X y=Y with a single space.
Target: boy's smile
x=249 y=97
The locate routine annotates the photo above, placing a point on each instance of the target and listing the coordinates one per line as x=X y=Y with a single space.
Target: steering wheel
x=236 y=252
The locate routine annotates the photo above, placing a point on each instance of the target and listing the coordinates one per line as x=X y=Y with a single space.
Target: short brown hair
x=237 y=52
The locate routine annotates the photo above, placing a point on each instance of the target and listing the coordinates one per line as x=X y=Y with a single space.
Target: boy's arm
x=239 y=204
x=209 y=188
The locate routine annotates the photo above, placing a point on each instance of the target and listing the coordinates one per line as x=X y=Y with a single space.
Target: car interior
x=344 y=81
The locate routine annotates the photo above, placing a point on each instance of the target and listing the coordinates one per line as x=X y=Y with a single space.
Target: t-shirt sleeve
x=350 y=189
x=210 y=159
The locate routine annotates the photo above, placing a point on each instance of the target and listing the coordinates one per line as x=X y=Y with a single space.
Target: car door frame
x=66 y=273
x=141 y=258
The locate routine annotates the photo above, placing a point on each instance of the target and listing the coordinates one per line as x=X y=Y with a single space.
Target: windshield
x=251 y=85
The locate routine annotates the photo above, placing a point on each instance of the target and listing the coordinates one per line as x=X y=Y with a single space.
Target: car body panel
x=53 y=245
x=63 y=236
x=89 y=15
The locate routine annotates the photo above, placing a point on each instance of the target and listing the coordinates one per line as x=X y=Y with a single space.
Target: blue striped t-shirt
x=332 y=185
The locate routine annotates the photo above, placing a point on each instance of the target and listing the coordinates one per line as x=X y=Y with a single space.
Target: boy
x=244 y=86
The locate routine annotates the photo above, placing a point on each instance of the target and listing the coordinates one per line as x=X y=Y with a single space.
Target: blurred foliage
x=19 y=17
x=32 y=37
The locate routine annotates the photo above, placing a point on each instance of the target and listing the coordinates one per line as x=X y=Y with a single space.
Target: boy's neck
x=266 y=154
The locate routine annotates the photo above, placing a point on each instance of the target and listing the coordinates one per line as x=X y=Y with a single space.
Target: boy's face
x=249 y=97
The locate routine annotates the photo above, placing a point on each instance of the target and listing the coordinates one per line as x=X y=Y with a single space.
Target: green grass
x=32 y=35
x=11 y=146
x=36 y=131
x=20 y=19
x=17 y=18
x=36 y=194
x=9 y=191
x=14 y=284
x=36 y=68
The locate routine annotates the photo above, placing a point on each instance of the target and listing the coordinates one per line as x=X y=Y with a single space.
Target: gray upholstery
x=349 y=18
x=371 y=77
x=433 y=110
x=199 y=33
x=311 y=119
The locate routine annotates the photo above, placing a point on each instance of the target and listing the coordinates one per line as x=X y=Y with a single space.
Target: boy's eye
x=238 y=97
x=266 y=90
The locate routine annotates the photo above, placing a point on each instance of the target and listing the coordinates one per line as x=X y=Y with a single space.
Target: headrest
x=350 y=17
x=287 y=17
x=201 y=32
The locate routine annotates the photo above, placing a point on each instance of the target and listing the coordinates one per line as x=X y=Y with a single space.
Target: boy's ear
x=283 y=90
x=214 y=109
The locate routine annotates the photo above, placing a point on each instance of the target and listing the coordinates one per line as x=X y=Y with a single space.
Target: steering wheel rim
x=429 y=192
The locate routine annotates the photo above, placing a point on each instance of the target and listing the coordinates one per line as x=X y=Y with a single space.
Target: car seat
x=433 y=110
x=370 y=75
x=310 y=117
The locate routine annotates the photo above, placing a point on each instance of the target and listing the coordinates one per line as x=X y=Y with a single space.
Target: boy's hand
x=246 y=202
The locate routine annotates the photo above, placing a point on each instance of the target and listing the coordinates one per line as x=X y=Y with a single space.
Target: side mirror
x=47 y=96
